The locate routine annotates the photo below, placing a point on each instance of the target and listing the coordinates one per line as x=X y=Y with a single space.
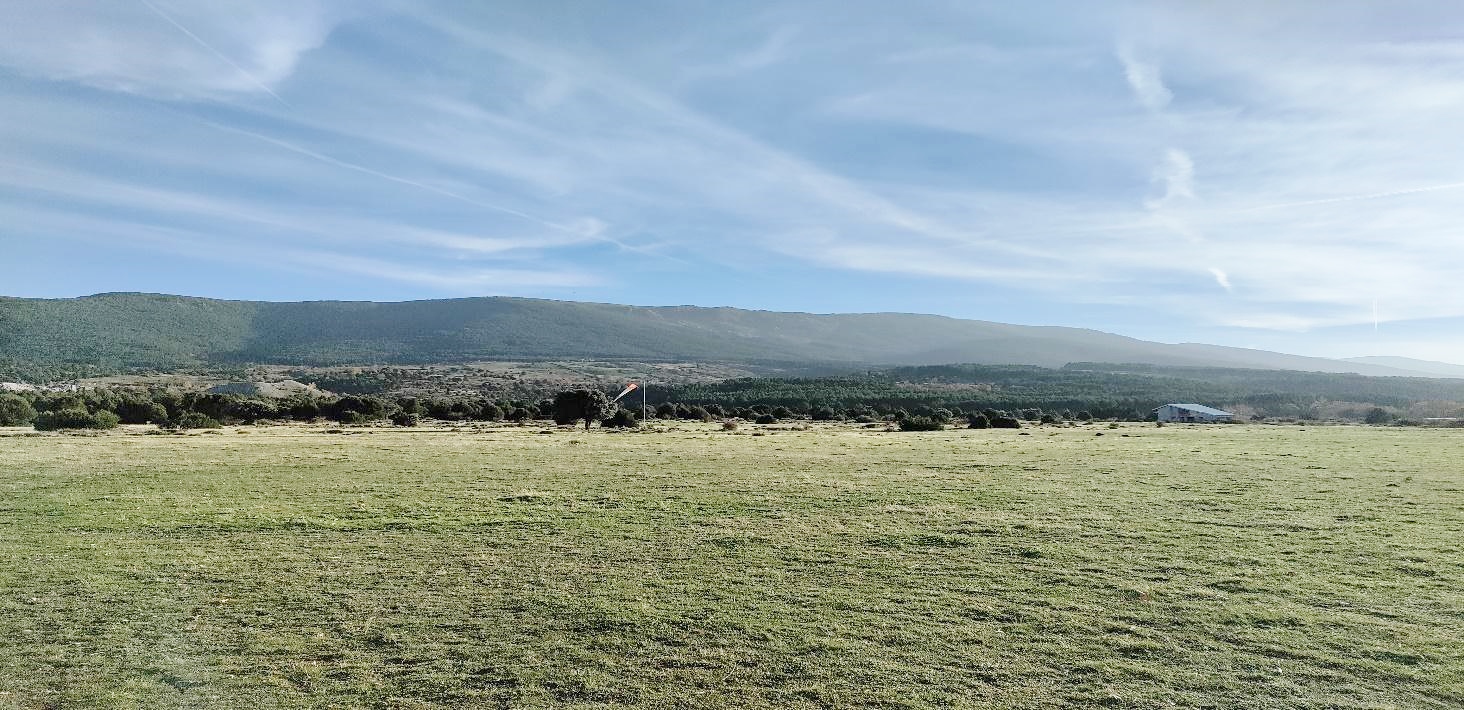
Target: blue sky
x=1277 y=175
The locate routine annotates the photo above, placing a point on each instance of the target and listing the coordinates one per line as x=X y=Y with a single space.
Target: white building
x=1192 y=413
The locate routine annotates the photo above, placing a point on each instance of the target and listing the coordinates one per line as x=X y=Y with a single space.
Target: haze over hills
x=121 y=331
x=1432 y=368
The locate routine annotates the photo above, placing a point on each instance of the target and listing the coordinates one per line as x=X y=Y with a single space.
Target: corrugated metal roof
x=1202 y=409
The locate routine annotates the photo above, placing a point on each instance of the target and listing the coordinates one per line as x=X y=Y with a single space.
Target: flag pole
x=643 y=400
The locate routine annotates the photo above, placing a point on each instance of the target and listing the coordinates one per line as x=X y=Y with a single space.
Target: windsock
x=628 y=389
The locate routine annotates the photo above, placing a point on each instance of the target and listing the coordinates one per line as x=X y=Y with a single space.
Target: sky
x=1285 y=176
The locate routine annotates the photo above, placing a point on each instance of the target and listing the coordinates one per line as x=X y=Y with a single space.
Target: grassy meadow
x=1213 y=567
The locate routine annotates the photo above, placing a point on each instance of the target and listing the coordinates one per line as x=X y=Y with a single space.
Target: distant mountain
x=121 y=331
x=1429 y=367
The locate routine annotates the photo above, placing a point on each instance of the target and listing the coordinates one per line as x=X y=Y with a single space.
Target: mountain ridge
x=120 y=331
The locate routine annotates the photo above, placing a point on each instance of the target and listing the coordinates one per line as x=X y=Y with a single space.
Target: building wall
x=1168 y=413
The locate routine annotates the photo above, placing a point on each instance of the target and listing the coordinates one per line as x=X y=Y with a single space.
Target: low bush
x=621 y=419
x=74 y=419
x=918 y=423
x=1005 y=423
x=192 y=420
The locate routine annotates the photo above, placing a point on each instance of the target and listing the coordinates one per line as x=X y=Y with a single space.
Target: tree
x=978 y=421
x=137 y=409
x=74 y=419
x=622 y=419
x=1378 y=415
x=571 y=406
x=919 y=423
x=15 y=410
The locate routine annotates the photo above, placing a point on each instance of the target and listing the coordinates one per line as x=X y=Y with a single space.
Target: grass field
x=1222 y=567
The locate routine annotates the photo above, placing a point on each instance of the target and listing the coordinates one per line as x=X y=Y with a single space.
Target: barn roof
x=1202 y=409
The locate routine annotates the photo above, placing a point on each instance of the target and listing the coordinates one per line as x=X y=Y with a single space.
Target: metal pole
x=643 y=400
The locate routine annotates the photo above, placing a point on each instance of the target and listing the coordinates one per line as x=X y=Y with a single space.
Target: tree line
x=105 y=408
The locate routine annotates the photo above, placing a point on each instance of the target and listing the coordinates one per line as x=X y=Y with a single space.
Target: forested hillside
x=1104 y=390
x=56 y=339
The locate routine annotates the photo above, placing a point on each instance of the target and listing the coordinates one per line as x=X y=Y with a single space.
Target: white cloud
x=1221 y=278
x=1143 y=77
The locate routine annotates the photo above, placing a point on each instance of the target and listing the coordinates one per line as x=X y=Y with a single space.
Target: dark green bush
x=74 y=419
x=15 y=410
x=623 y=418
x=978 y=421
x=193 y=420
x=919 y=423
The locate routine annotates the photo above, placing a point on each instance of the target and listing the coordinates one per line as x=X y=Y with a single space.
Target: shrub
x=766 y=419
x=193 y=420
x=729 y=425
x=1378 y=415
x=74 y=419
x=140 y=410
x=1005 y=423
x=918 y=423
x=16 y=410
x=623 y=419
x=978 y=421
x=823 y=414
x=404 y=418
x=1048 y=419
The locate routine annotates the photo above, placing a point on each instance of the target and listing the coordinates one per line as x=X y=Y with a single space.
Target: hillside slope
x=149 y=331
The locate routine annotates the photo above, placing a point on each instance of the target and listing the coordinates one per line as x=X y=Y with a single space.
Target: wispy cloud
x=1143 y=77
x=1221 y=278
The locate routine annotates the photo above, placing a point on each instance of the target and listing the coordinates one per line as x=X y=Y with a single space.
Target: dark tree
x=823 y=414
x=1378 y=415
x=573 y=405
x=16 y=410
x=622 y=418
x=74 y=419
x=919 y=423
x=978 y=421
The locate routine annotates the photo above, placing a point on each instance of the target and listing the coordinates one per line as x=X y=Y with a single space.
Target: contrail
x=434 y=189
x=216 y=52
x=387 y=176
x=1373 y=196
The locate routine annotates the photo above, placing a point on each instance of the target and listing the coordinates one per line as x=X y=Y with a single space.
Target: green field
x=1223 y=567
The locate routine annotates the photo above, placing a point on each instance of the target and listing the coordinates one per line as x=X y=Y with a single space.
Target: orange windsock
x=628 y=389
